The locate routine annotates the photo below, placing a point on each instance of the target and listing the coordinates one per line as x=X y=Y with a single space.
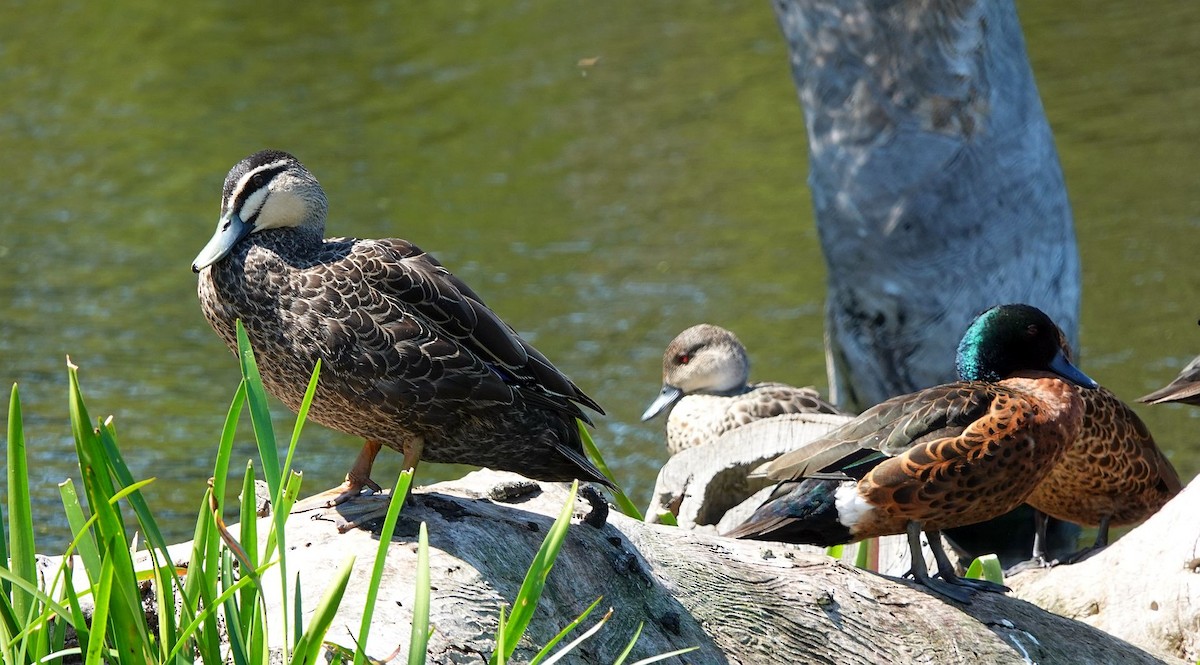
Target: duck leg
x=358 y=478
x=946 y=568
x=1038 y=560
x=1100 y=544
x=920 y=573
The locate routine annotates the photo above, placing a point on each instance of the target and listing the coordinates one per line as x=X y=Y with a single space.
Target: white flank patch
x=851 y=508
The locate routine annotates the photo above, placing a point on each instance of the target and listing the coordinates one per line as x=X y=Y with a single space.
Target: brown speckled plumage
x=705 y=373
x=410 y=355
x=1113 y=471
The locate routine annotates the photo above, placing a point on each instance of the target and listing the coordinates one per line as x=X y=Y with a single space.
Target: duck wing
x=886 y=430
x=482 y=355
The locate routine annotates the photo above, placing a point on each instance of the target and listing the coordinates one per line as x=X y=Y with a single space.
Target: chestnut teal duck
x=705 y=385
x=1112 y=475
x=941 y=457
x=411 y=357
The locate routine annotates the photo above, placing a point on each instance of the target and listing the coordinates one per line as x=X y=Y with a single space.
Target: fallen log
x=737 y=601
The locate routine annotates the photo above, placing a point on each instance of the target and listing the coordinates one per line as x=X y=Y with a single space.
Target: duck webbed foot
x=946 y=583
x=358 y=479
x=946 y=568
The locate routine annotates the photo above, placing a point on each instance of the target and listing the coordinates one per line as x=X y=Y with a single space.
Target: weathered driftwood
x=708 y=490
x=1145 y=588
x=739 y=602
x=699 y=485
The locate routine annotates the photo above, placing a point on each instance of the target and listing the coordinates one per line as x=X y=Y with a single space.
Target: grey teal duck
x=411 y=357
x=705 y=385
x=946 y=456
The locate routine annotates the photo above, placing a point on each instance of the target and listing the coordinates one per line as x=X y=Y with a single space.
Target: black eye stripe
x=255 y=183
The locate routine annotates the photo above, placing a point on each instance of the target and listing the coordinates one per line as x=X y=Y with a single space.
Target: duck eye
x=682 y=358
x=258 y=180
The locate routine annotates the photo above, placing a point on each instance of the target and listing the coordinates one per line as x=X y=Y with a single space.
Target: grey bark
x=739 y=602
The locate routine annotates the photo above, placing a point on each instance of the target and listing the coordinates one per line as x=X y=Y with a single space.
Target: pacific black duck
x=411 y=357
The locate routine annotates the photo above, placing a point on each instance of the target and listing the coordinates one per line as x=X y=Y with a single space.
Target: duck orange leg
x=358 y=478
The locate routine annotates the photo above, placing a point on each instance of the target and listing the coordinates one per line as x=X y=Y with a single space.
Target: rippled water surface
x=604 y=174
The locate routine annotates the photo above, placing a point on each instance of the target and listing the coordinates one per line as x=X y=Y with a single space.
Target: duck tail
x=802 y=512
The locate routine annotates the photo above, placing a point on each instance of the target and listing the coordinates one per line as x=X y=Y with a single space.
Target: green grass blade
x=419 y=641
x=862 y=557
x=78 y=621
x=264 y=435
x=663 y=656
x=629 y=647
x=301 y=417
x=564 y=632
x=501 y=646
x=298 y=614
x=535 y=578
x=308 y=647
x=260 y=414
x=84 y=541
x=668 y=518
x=249 y=541
x=835 y=551
x=128 y=629
x=31 y=589
x=23 y=560
x=201 y=619
x=395 y=504
x=593 y=452
x=103 y=596
x=225 y=445
x=234 y=629
x=986 y=567
x=580 y=640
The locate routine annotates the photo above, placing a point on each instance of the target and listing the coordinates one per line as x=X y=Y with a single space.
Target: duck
x=411 y=357
x=1113 y=474
x=941 y=457
x=1184 y=389
x=706 y=389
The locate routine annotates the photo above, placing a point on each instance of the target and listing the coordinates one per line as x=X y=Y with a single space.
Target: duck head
x=1009 y=338
x=704 y=359
x=270 y=189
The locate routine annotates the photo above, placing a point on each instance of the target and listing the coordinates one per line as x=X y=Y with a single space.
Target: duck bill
x=230 y=229
x=669 y=395
x=1063 y=367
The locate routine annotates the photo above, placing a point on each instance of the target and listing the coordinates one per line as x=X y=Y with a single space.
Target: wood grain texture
x=739 y=602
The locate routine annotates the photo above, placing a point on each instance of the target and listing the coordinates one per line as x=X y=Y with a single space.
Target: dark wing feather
x=886 y=430
x=457 y=313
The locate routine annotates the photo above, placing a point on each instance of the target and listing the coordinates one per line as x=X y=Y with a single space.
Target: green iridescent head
x=1010 y=338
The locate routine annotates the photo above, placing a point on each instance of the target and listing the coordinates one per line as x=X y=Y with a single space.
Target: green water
x=600 y=207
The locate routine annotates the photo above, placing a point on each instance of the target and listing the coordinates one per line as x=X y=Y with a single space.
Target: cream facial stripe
x=248 y=200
